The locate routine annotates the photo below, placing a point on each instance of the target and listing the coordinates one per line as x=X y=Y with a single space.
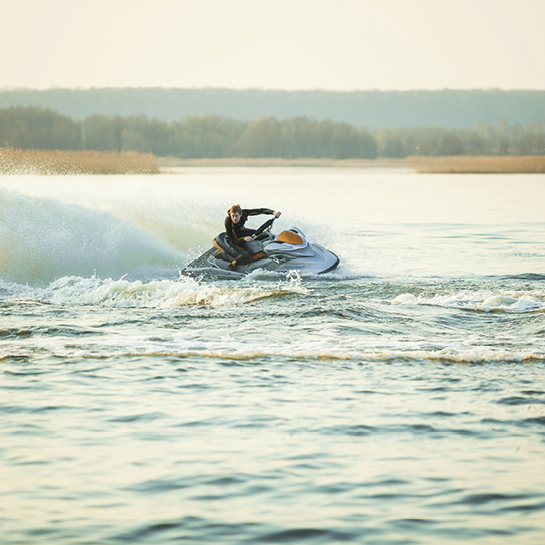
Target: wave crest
x=510 y=302
x=74 y=290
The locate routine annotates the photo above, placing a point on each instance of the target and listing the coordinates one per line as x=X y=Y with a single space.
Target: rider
x=235 y=232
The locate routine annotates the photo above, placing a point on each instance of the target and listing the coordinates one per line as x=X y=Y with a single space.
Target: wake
x=44 y=239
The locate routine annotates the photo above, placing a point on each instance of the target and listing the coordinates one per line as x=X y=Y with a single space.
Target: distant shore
x=54 y=162
x=463 y=164
x=423 y=164
x=16 y=161
x=172 y=162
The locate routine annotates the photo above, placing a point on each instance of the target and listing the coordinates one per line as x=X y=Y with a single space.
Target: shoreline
x=264 y=162
x=70 y=162
x=460 y=164
x=65 y=162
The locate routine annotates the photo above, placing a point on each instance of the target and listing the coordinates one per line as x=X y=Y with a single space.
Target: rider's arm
x=258 y=211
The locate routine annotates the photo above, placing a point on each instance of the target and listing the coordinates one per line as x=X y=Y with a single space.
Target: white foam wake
x=166 y=293
x=44 y=239
x=483 y=301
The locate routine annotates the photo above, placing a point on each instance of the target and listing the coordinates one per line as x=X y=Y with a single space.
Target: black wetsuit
x=235 y=232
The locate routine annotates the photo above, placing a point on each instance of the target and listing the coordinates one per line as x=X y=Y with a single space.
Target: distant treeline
x=449 y=108
x=214 y=136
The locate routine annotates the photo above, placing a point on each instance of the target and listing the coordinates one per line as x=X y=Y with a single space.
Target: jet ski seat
x=220 y=242
x=249 y=248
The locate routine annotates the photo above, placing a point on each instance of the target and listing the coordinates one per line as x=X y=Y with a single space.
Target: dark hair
x=235 y=208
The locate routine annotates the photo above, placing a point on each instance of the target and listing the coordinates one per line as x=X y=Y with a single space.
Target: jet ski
x=288 y=251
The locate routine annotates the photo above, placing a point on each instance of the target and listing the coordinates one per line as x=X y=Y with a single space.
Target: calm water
x=400 y=399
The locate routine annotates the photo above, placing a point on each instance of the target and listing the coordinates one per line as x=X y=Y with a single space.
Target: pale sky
x=273 y=44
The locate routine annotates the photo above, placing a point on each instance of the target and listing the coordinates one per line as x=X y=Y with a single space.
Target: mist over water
x=398 y=399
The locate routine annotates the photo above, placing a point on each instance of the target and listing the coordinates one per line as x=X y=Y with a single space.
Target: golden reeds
x=16 y=161
x=480 y=165
x=425 y=164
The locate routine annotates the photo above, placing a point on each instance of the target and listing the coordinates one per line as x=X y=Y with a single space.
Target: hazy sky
x=273 y=44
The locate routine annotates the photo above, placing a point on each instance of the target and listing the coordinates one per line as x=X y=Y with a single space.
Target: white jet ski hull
x=289 y=251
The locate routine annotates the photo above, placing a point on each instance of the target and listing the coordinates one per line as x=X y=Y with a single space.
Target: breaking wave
x=481 y=301
x=166 y=293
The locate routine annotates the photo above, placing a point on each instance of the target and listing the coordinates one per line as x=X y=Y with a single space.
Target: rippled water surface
x=399 y=399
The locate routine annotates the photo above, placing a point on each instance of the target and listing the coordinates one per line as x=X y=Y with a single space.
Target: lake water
x=399 y=399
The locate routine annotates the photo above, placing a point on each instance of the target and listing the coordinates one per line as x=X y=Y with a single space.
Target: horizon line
x=270 y=89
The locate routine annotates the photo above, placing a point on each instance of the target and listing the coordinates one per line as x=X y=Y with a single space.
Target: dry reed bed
x=16 y=161
x=458 y=164
x=480 y=165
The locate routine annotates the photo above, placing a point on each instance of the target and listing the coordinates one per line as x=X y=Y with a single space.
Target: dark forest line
x=219 y=137
x=454 y=109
